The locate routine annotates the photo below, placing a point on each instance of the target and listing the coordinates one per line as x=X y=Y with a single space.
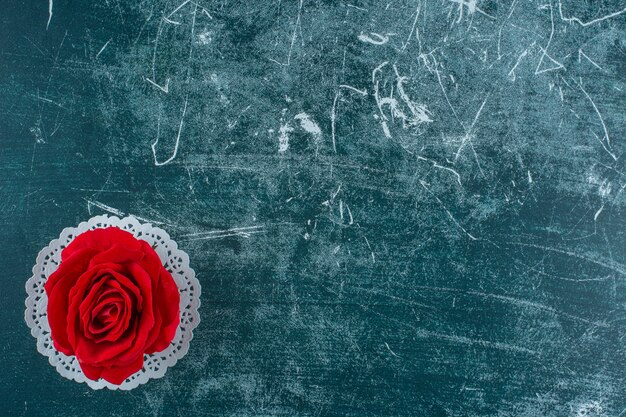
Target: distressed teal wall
x=394 y=208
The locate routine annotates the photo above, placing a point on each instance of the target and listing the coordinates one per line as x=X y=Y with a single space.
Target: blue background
x=393 y=207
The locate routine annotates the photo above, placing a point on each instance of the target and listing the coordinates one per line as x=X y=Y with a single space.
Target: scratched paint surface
x=394 y=207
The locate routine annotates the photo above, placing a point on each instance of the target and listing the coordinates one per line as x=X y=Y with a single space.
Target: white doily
x=174 y=260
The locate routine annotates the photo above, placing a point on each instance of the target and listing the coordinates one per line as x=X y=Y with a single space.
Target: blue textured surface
x=394 y=207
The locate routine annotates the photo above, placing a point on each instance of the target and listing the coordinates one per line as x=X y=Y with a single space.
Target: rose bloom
x=111 y=301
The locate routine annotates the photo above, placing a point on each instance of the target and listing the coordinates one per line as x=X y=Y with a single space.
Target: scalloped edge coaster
x=175 y=261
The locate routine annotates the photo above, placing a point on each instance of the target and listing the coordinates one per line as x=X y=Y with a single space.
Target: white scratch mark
x=103 y=48
x=219 y=234
x=170 y=21
x=468 y=132
x=437 y=165
x=283 y=138
x=190 y=181
x=511 y=73
x=156 y=45
x=333 y=112
x=356 y=90
x=165 y=88
x=356 y=7
x=117 y=212
x=333 y=121
x=341 y=209
x=415 y=29
x=370 y=248
x=591 y=22
x=101 y=190
x=180 y=129
x=581 y=53
x=557 y=65
x=351 y=221
x=595 y=217
x=242 y=234
x=447 y=211
x=468 y=341
x=606 y=147
x=374 y=39
x=50 y=4
x=334 y=194
x=104 y=207
x=391 y=351
x=511 y=9
x=383 y=119
x=309 y=125
x=420 y=113
x=467 y=138
x=471 y=9
x=178 y=8
x=231 y=125
x=515 y=301
x=609 y=264
x=47 y=100
x=293 y=37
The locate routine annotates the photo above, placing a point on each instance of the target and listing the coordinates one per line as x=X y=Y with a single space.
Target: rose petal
x=90 y=371
x=110 y=297
x=167 y=300
x=125 y=313
x=155 y=332
x=57 y=288
x=105 y=348
x=109 y=315
x=118 y=374
x=105 y=353
x=117 y=254
x=113 y=374
x=146 y=320
x=101 y=240
x=85 y=307
x=151 y=262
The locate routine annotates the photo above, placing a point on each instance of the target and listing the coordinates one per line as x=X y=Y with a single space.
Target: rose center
x=108 y=309
x=108 y=314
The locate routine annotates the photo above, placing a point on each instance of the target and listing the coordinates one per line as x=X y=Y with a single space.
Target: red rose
x=111 y=301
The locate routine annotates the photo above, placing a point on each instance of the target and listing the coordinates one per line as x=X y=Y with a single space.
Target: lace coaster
x=173 y=259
